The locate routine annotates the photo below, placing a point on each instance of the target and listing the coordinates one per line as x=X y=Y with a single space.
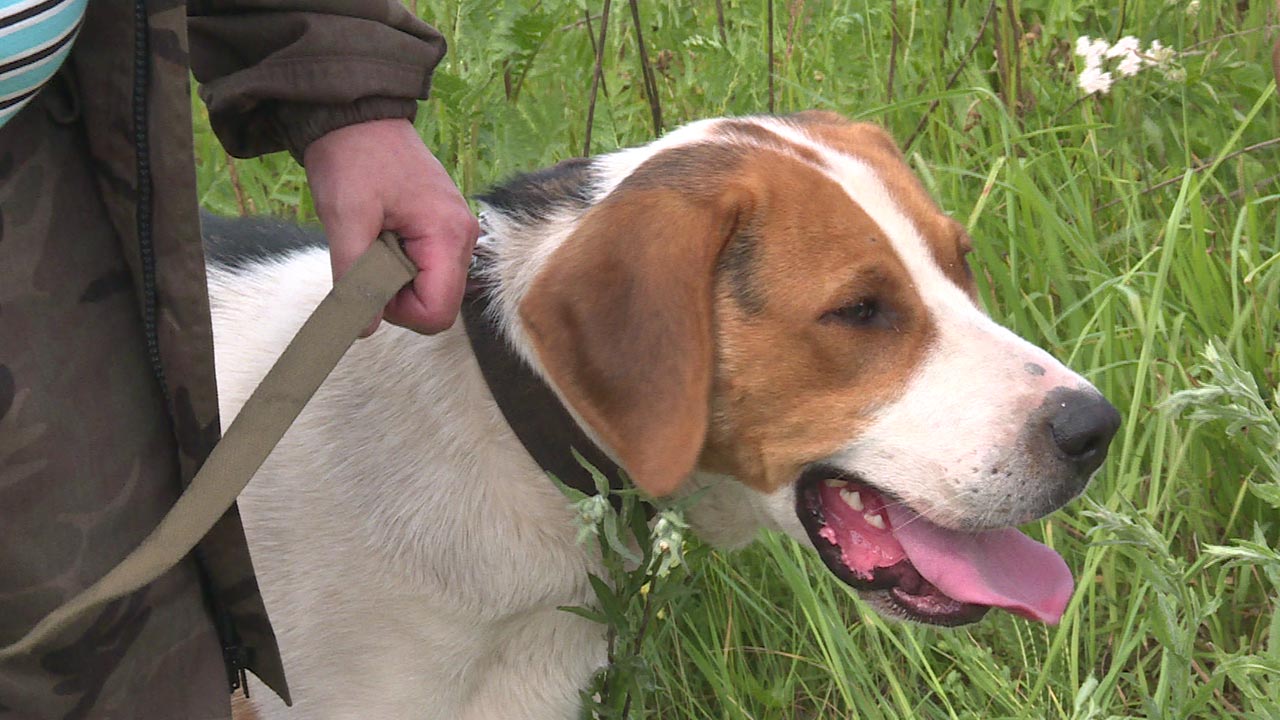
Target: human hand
x=378 y=175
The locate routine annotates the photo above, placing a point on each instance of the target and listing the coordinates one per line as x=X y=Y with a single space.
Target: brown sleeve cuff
x=276 y=77
x=298 y=124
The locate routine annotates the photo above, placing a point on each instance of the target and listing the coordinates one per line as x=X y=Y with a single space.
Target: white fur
x=412 y=555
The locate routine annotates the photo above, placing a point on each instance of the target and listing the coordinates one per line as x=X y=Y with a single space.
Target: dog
x=768 y=311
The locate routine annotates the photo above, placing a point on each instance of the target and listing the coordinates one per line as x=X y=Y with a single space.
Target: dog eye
x=863 y=312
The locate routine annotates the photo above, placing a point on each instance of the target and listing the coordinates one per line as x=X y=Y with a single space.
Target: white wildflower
x=1097 y=49
x=1193 y=8
x=1127 y=45
x=1094 y=80
x=1091 y=50
x=1130 y=65
x=588 y=514
x=1104 y=63
x=1126 y=48
x=1158 y=54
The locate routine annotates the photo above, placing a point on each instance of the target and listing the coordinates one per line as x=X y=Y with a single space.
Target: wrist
x=302 y=125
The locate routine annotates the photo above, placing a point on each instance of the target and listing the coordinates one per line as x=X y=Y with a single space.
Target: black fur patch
x=239 y=242
x=737 y=265
x=537 y=195
x=695 y=170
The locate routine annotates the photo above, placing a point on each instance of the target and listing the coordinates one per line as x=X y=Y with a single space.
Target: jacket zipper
x=142 y=212
x=234 y=655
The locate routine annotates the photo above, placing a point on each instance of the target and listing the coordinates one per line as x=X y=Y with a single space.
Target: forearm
x=277 y=74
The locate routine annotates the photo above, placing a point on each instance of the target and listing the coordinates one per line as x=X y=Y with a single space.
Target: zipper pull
x=236 y=658
x=234 y=655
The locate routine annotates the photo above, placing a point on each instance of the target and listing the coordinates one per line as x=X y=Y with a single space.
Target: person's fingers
x=430 y=303
x=372 y=327
x=351 y=231
x=379 y=175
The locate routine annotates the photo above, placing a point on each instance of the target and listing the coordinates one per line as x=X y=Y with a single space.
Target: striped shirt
x=35 y=37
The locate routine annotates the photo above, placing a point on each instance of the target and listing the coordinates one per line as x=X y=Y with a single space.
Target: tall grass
x=1125 y=233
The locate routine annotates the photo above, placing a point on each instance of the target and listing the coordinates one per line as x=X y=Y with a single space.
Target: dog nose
x=1082 y=427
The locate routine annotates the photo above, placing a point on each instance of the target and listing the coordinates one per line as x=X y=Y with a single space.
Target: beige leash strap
x=306 y=362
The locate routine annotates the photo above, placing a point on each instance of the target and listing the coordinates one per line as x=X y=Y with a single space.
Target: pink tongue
x=1001 y=568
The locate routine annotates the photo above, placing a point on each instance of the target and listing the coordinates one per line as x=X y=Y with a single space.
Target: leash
x=312 y=354
x=531 y=408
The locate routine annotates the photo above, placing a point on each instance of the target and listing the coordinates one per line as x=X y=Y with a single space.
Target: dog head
x=774 y=310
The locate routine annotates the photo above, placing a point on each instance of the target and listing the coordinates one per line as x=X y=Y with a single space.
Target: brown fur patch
x=793 y=385
x=765 y=138
x=947 y=240
x=699 y=169
x=677 y=347
x=621 y=316
x=737 y=267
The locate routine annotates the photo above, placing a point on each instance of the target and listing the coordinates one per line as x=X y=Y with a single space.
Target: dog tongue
x=1001 y=568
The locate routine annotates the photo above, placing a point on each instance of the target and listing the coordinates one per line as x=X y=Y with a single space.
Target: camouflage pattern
x=87 y=456
x=108 y=403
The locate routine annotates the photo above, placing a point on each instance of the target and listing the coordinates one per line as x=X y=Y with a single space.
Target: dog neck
x=539 y=420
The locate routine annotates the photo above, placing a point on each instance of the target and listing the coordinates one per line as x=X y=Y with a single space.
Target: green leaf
x=613 y=608
x=601 y=482
x=615 y=541
x=593 y=615
x=569 y=492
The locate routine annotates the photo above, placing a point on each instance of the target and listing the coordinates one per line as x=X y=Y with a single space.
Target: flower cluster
x=590 y=512
x=1127 y=51
x=668 y=542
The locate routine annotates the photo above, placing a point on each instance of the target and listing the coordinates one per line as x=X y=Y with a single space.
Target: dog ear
x=621 y=321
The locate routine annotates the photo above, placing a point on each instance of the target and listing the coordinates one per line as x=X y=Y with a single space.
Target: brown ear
x=621 y=320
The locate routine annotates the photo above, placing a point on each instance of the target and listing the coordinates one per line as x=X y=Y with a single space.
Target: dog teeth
x=852 y=499
x=833 y=483
x=874 y=521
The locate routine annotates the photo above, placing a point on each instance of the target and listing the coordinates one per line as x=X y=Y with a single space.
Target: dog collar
x=540 y=421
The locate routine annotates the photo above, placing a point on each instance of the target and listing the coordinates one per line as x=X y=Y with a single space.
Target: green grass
x=1080 y=248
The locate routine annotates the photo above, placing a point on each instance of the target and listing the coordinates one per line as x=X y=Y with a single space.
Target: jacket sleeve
x=277 y=74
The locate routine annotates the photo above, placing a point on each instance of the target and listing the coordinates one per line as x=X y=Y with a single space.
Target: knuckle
x=432 y=326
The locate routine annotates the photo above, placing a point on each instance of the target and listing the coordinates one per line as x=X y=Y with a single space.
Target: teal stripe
x=50 y=26
x=42 y=29
x=9 y=112
x=26 y=79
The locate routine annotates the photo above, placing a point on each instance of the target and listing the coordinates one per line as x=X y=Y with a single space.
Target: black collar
x=531 y=408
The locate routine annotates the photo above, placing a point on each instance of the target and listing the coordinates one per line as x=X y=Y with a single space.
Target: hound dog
x=770 y=310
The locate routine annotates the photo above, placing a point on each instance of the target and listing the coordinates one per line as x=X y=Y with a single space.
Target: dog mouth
x=919 y=570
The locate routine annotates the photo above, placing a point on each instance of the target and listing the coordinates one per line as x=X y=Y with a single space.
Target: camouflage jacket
x=275 y=74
